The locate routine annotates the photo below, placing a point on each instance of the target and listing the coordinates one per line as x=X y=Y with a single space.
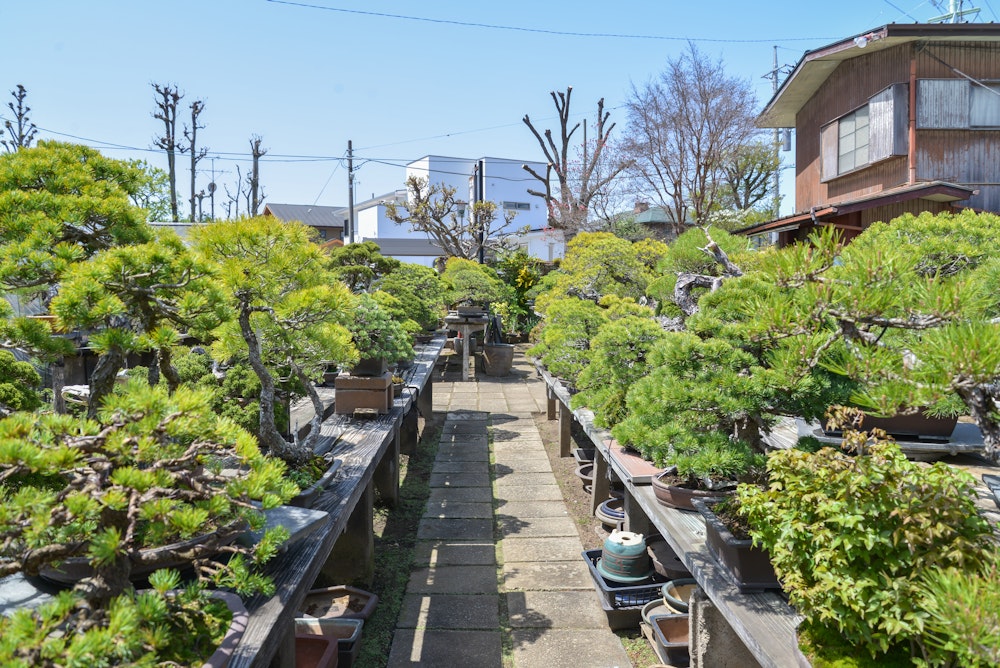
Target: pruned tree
x=233 y=196
x=434 y=210
x=256 y=192
x=191 y=134
x=153 y=193
x=684 y=128
x=579 y=181
x=20 y=130
x=290 y=315
x=167 y=97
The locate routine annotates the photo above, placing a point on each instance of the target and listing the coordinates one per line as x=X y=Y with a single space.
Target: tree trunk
x=102 y=382
x=270 y=437
x=58 y=383
x=164 y=357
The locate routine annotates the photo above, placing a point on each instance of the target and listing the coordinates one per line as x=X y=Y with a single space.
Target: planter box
x=345 y=633
x=354 y=392
x=370 y=366
x=498 y=359
x=748 y=567
x=911 y=427
x=672 y=633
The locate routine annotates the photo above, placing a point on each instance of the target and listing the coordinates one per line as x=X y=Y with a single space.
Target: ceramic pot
x=624 y=558
x=747 y=566
x=340 y=601
x=676 y=594
x=675 y=496
x=315 y=651
x=611 y=512
x=672 y=633
x=307 y=497
x=498 y=358
x=585 y=472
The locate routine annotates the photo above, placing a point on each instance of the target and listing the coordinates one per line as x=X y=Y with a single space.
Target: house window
x=852 y=140
x=984 y=110
x=517 y=206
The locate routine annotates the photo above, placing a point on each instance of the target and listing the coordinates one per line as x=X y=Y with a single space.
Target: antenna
x=955 y=13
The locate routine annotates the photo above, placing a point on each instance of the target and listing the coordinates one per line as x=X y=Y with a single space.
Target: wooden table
x=466 y=325
x=764 y=622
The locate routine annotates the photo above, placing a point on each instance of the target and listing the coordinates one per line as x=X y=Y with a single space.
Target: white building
x=504 y=182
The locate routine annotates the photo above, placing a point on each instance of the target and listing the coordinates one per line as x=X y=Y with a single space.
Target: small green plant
x=851 y=535
x=376 y=335
x=717 y=462
x=962 y=627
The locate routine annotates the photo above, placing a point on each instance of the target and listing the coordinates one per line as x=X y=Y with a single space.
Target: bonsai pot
x=370 y=366
x=611 y=512
x=665 y=560
x=677 y=593
x=72 y=570
x=624 y=558
x=307 y=497
x=672 y=633
x=585 y=472
x=748 y=567
x=315 y=651
x=681 y=497
x=344 y=634
x=220 y=658
x=498 y=358
x=339 y=601
x=911 y=426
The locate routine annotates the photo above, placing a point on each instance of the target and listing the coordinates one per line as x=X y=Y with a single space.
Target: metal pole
x=481 y=197
x=350 y=190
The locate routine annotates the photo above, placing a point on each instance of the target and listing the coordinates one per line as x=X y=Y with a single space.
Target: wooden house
x=903 y=118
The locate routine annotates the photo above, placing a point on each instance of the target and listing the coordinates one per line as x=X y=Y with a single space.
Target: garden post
x=352 y=558
x=565 y=421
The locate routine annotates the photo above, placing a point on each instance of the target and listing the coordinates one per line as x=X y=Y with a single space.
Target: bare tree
x=21 y=130
x=256 y=192
x=748 y=174
x=433 y=209
x=683 y=127
x=191 y=134
x=167 y=98
x=233 y=197
x=579 y=182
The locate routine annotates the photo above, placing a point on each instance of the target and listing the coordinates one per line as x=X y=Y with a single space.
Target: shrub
x=419 y=290
x=618 y=358
x=850 y=536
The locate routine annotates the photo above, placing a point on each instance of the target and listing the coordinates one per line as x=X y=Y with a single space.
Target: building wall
x=967 y=157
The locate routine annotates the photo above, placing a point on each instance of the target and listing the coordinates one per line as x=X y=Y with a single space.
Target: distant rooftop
x=309 y=214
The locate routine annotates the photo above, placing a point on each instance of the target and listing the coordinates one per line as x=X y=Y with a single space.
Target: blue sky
x=308 y=76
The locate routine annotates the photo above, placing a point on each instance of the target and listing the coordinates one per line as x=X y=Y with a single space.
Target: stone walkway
x=499 y=564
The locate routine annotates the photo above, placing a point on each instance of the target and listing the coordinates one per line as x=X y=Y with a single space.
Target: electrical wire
x=544 y=31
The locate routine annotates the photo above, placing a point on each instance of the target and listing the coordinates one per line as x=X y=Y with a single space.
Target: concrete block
x=713 y=643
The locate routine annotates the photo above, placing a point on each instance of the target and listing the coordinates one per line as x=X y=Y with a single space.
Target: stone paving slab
x=533 y=509
x=517 y=447
x=440 y=497
x=460 y=415
x=534 y=493
x=553 y=575
x=456 y=510
x=464 y=528
x=512 y=458
x=453 y=580
x=568 y=648
x=514 y=526
x=461 y=466
x=455 y=553
x=450 y=611
x=510 y=463
x=555 y=609
x=432 y=648
x=520 y=479
x=459 y=479
x=451 y=440
x=463 y=454
x=542 y=549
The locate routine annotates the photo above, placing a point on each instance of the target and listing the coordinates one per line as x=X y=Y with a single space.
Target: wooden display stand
x=354 y=392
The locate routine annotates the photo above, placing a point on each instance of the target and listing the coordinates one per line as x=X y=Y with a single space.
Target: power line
x=544 y=31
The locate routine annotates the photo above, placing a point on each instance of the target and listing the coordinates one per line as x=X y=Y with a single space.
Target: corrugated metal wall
x=969 y=157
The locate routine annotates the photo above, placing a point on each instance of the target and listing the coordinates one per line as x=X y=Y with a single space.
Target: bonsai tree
x=360 y=265
x=420 y=292
x=376 y=335
x=139 y=297
x=148 y=473
x=469 y=283
x=907 y=310
x=20 y=385
x=290 y=315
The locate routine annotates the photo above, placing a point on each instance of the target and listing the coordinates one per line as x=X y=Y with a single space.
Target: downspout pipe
x=911 y=149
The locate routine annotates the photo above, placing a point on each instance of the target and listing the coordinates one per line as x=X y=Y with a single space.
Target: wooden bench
x=343 y=548
x=743 y=628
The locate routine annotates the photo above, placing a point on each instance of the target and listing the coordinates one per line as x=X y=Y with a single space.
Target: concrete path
x=499 y=570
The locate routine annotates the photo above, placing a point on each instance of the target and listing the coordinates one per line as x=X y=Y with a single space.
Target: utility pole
x=777 y=155
x=481 y=197
x=211 y=190
x=350 y=191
